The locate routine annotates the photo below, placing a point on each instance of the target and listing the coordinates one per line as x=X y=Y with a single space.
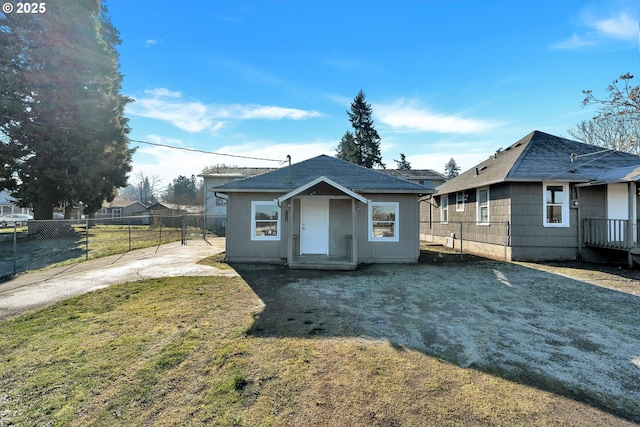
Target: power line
x=195 y=150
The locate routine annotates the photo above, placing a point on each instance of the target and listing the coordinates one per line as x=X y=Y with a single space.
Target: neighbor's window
x=556 y=204
x=460 y=201
x=265 y=221
x=483 y=206
x=383 y=221
x=444 y=209
x=116 y=213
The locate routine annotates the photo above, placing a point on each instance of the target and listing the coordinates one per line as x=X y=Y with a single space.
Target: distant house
x=323 y=213
x=544 y=198
x=215 y=204
x=121 y=211
x=8 y=205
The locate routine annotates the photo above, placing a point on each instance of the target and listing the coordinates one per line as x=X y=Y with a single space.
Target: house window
x=556 y=204
x=483 y=206
x=460 y=201
x=265 y=221
x=444 y=209
x=116 y=213
x=383 y=221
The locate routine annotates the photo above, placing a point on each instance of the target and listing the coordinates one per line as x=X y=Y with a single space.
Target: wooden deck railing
x=609 y=233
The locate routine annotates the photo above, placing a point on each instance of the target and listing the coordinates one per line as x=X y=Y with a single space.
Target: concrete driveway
x=43 y=287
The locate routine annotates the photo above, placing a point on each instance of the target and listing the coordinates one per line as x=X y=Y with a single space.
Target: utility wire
x=195 y=150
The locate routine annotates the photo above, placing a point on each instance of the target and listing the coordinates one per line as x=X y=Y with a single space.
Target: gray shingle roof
x=539 y=157
x=353 y=177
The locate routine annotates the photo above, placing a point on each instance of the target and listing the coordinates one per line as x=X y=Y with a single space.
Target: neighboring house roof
x=542 y=157
x=121 y=203
x=414 y=174
x=355 y=178
x=233 y=172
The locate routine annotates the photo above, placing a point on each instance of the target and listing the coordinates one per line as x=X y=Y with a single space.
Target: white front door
x=618 y=209
x=314 y=226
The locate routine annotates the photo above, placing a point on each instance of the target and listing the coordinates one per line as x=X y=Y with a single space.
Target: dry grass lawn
x=179 y=351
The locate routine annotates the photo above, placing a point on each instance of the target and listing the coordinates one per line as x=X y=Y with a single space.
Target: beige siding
x=407 y=249
x=340 y=227
x=239 y=246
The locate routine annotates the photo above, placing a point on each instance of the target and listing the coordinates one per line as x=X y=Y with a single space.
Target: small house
x=323 y=213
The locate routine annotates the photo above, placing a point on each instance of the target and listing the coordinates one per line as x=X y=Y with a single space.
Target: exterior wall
x=407 y=249
x=487 y=239
x=240 y=247
x=530 y=239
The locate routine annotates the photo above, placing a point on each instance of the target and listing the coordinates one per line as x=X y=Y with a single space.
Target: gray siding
x=407 y=249
x=239 y=246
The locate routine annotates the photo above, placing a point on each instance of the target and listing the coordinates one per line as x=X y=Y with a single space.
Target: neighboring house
x=121 y=210
x=323 y=213
x=215 y=204
x=544 y=198
x=8 y=206
x=428 y=178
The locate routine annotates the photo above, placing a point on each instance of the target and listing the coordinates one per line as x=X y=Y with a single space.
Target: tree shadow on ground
x=540 y=329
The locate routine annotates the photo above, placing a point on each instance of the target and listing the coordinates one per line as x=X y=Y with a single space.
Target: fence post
x=15 y=248
x=506 y=239
x=184 y=231
x=86 y=239
x=461 y=240
x=160 y=232
x=129 y=234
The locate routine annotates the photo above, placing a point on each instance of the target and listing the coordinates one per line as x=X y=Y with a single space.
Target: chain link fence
x=41 y=244
x=492 y=240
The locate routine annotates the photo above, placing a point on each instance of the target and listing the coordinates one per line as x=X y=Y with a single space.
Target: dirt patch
x=572 y=331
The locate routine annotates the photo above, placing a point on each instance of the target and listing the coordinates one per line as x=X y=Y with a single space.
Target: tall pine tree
x=365 y=148
x=62 y=112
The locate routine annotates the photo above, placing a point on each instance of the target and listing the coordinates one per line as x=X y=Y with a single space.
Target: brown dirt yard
x=572 y=329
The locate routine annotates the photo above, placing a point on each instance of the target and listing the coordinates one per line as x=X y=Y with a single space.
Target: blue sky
x=445 y=78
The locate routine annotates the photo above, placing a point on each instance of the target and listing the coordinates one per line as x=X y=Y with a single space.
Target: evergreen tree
x=365 y=150
x=348 y=150
x=403 y=164
x=184 y=191
x=62 y=114
x=451 y=169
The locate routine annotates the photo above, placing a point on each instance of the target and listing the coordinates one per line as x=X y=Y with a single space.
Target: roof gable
x=353 y=177
x=541 y=157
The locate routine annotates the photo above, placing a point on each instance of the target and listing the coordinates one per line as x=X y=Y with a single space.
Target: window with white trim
x=383 y=222
x=116 y=213
x=483 y=206
x=444 y=209
x=265 y=221
x=460 y=201
x=555 y=204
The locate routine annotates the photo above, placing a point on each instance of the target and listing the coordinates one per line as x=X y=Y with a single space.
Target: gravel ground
x=562 y=328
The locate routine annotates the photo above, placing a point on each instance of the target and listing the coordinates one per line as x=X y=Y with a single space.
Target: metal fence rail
x=41 y=244
x=469 y=237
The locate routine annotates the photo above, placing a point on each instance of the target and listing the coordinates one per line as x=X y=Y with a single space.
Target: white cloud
x=168 y=163
x=151 y=42
x=409 y=116
x=620 y=26
x=194 y=116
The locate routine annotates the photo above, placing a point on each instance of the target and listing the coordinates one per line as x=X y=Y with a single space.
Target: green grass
x=177 y=351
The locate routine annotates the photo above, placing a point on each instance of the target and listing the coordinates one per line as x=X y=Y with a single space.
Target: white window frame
x=460 y=201
x=395 y=222
x=480 y=207
x=444 y=209
x=275 y=237
x=116 y=213
x=564 y=204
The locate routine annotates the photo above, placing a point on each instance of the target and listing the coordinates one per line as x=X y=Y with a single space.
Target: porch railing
x=610 y=233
